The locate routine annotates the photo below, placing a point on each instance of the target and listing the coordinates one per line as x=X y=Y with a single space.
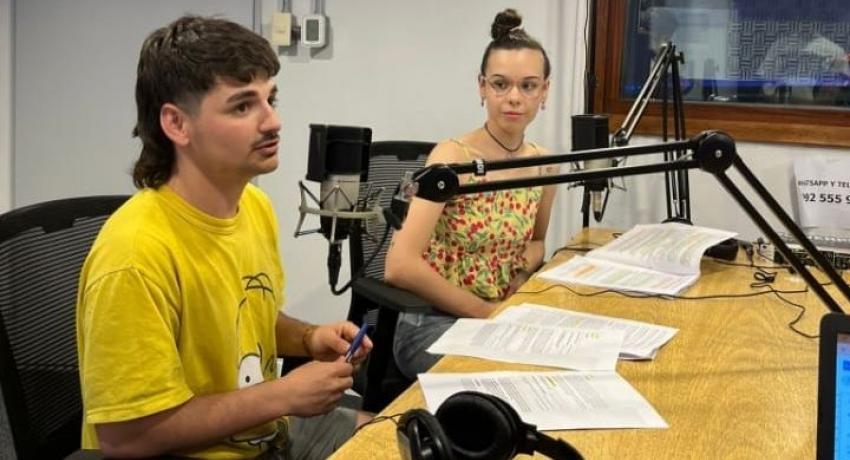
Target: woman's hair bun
x=505 y=21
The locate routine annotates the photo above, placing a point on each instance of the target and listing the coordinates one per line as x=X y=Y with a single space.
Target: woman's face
x=513 y=88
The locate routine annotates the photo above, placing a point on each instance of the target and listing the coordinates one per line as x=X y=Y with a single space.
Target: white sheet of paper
x=611 y=275
x=671 y=248
x=531 y=344
x=553 y=400
x=823 y=191
x=641 y=340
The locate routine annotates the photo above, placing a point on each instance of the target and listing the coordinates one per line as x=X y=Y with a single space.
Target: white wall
x=407 y=70
x=5 y=105
x=75 y=70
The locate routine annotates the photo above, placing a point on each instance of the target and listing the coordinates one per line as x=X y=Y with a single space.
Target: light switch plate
x=281 y=29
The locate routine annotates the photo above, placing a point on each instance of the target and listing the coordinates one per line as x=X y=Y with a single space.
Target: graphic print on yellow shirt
x=174 y=304
x=255 y=365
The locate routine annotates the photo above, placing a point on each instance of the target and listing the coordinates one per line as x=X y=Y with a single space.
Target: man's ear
x=175 y=124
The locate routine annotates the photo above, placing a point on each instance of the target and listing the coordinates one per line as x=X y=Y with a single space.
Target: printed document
x=553 y=400
x=657 y=259
x=640 y=340
x=823 y=191
x=555 y=346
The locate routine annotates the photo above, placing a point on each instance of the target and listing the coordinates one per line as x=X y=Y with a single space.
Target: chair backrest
x=42 y=249
x=388 y=161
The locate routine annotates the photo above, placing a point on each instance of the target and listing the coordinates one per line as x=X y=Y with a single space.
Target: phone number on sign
x=836 y=198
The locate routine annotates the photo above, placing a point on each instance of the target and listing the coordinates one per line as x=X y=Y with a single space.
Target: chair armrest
x=388 y=296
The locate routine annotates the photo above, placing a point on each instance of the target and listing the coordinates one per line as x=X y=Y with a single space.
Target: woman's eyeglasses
x=528 y=87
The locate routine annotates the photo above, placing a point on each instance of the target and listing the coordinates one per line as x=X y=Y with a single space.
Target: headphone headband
x=475 y=426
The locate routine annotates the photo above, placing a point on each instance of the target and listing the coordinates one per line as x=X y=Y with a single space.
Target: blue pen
x=355 y=344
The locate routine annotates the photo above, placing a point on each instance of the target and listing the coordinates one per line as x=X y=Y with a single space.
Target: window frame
x=744 y=122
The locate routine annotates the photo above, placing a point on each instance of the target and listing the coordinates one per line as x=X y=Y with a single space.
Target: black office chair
x=372 y=299
x=42 y=249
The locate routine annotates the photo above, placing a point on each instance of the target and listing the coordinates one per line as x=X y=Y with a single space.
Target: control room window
x=762 y=70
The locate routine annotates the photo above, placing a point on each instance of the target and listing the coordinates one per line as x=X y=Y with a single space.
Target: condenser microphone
x=598 y=187
x=338 y=159
x=590 y=131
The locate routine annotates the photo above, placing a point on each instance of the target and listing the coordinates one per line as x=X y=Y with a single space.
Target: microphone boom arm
x=676 y=183
x=711 y=151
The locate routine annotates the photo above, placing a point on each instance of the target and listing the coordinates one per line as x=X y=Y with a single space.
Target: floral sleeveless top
x=479 y=240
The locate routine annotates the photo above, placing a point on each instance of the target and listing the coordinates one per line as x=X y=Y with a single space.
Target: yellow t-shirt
x=174 y=303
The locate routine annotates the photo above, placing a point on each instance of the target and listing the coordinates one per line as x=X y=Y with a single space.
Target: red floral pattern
x=479 y=240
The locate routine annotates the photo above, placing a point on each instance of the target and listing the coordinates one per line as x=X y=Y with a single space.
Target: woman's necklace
x=509 y=150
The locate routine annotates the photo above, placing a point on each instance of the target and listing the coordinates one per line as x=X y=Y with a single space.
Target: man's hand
x=315 y=388
x=331 y=341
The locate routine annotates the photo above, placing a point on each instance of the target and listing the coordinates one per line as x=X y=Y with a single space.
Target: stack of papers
x=547 y=336
x=592 y=396
x=553 y=400
x=640 y=341
x=657 y=259
x=594 y=350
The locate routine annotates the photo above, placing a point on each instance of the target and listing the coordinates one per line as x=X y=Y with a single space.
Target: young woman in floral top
x=468 y=254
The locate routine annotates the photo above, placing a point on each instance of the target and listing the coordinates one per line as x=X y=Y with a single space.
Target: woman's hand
x=518 y=280
x=330 y=341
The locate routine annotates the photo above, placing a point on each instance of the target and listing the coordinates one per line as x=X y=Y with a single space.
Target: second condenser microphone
x=590 y=131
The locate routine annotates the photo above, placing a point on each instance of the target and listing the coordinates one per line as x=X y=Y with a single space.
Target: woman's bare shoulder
x=448 y=151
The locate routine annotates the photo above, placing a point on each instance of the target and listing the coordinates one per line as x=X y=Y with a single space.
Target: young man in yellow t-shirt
x=178 y=321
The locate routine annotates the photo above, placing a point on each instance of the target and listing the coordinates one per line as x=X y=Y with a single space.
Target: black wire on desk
x=574 y=248
x=770 y=290
x=802 y=312
x=749 y=265
x=763 y=276
x=378 y=419
x=657 y=296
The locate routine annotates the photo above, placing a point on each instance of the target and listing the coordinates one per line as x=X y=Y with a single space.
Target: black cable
x=589 y=71
x=656 y=296
x=799 y=316
x=378 y=419
x=770 y=290
x=749 y=265
x=575 y=249
x=362 y=269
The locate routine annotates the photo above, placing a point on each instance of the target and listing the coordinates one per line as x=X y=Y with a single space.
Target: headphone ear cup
x=422 y=437
x=480 y=426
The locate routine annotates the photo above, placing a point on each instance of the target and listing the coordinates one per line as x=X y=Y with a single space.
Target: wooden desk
x=734 y=383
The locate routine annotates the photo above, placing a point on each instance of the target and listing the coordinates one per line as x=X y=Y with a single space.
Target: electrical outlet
x=765 y=249
x=281 y=29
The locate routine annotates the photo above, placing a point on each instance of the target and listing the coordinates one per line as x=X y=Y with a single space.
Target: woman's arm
x=405 y=266
x=534 y=250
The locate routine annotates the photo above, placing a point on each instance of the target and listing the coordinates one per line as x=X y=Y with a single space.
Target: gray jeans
x=316 y=437
x=414 y=333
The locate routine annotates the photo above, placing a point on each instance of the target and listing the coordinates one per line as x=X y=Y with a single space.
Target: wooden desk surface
x=734 y=383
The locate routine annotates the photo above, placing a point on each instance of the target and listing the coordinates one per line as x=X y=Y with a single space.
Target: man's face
x=234 y=132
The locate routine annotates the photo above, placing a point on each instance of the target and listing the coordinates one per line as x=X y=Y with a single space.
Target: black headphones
x=474 y=426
